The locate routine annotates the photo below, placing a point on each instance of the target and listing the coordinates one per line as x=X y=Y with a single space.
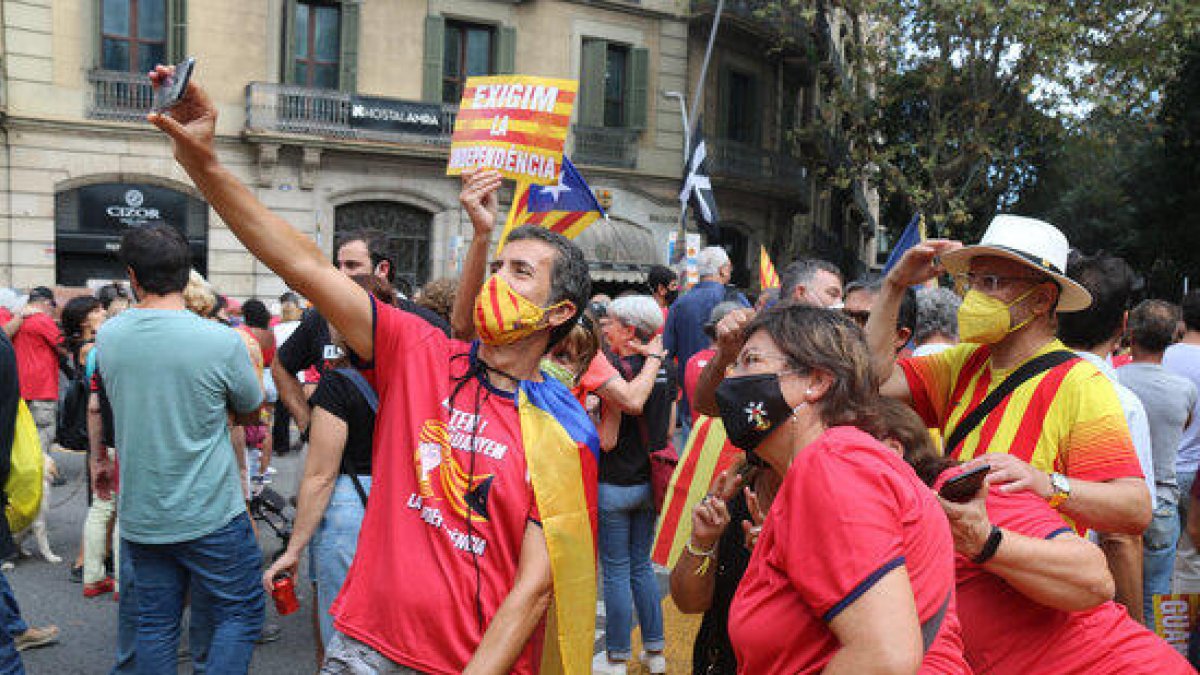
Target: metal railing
x=292 y=109
x=606 y=146
x=119 y=95
x=742 y=162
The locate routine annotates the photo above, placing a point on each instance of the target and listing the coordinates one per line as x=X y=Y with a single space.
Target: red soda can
x=284 y=593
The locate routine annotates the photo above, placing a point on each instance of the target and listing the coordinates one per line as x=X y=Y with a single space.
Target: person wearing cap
x=1060 y=432
x=39 y=346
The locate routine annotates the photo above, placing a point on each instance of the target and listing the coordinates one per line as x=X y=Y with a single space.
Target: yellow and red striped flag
x=767 y=278
x=567 y=208
x=708 y=452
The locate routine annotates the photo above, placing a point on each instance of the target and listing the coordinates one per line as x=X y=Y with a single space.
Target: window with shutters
x=133 y=35
x=316 y=44
x=468 y=49
x=613 y=85
x=742 y=112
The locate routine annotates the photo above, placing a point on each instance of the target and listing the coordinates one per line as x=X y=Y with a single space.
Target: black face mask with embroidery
x=752 y=406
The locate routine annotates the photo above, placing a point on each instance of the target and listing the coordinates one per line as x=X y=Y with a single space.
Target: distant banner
x=515 y=124
x=1175 y=617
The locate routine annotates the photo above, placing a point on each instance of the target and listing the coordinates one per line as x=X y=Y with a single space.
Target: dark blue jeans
x=223 y=568
x=10 y=614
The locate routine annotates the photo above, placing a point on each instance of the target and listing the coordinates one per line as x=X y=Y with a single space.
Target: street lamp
x=683 y=112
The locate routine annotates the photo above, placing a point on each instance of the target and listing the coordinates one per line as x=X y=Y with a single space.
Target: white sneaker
x=602 y=666
x=655 y=663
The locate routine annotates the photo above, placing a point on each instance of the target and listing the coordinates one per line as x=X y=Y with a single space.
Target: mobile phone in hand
x=170 y=90
x=963 y=487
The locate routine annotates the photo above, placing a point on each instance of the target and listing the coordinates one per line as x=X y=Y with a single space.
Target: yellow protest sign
x=515 y=124
x=1175 y=617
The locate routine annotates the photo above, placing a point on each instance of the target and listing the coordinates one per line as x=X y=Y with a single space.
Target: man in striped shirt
x=1061 y=433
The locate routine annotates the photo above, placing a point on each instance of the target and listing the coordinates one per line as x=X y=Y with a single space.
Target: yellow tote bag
x=24 y=486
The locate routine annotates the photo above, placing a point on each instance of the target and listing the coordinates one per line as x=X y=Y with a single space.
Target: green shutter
x=287 y=74
x=637 y=101
x=348 y=59
x=435 y=38
x=177 y=30
x=591 y=83
x=506 y=50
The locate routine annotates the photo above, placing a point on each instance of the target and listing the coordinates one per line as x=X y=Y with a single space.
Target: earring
x=808 y=392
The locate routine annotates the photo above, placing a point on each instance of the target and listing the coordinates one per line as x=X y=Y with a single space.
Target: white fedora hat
x=1031 y=242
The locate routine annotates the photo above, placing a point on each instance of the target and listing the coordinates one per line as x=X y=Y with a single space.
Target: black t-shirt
x=629 y=462
x=337 y=394
x=712 y=652
x=310 y=344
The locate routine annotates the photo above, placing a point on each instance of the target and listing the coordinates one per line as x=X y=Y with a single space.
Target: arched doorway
x=408 y=231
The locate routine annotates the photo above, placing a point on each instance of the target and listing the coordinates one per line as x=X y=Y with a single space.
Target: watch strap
x=989 y=547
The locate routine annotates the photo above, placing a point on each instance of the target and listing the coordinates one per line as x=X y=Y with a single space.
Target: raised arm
x=729 y=343
x=918 y=265
x=478 y=199
x=294 y=257
x=629 y=396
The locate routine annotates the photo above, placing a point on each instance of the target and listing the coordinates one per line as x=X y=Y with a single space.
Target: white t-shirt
x=1184 y=359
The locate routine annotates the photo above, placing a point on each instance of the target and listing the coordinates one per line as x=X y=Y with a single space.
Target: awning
x=619 y=250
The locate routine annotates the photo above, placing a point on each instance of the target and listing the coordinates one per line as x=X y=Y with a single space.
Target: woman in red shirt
x=853 y=569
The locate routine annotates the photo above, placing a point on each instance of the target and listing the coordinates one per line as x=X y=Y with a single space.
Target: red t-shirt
x=691 y=375
x=1006 y=632
x=412 y=590
x=598 y=373
x=849 y=511
x=36 y=344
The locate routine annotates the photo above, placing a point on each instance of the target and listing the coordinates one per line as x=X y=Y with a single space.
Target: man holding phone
x=1049 y=421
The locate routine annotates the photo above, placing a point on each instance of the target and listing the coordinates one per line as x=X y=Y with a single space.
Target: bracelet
x=989 y=547
x=701 y=553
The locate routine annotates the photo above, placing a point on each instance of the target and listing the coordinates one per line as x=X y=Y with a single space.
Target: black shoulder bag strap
x=356 y=378
x=933 y=625
x=1018 y=377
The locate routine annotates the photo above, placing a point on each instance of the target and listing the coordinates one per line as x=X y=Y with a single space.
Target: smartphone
x=171 y=90
x=963 y=487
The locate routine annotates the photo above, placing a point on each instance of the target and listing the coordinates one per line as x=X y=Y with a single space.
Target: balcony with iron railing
x=326 y=113
x=119 y=95
x=615 y=147
x=753 y=166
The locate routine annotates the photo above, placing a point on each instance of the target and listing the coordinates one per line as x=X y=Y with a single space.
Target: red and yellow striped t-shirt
x=1066 y=419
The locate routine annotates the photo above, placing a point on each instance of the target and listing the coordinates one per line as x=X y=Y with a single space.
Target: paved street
x=89 y=626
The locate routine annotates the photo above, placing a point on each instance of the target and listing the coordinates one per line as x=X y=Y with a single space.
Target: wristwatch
x=1060 y=490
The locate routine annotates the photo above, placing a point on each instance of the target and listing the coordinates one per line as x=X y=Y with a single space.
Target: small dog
x=38 y=528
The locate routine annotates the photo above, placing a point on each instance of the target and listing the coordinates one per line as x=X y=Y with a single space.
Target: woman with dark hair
x=853 y=568
x=256 y=322
x=1033 y=596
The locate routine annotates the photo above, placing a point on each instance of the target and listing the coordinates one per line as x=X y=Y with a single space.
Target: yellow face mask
x=985 y=320
x=503 y=316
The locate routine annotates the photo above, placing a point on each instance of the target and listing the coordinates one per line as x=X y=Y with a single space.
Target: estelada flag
x=567 y=208
x=767 y=278
x=562 y=454
x=708 y=452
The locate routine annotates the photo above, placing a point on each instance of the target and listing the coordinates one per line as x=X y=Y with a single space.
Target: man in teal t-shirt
x=172 y=379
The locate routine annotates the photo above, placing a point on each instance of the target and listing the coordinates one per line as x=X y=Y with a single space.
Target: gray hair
x=639 y=311
x=801 y=272
x=937 y=313
x=710 y=260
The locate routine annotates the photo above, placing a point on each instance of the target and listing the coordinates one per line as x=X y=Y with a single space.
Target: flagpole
x=694 y=114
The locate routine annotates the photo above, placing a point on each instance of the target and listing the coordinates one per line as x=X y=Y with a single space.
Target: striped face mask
x=503 y=316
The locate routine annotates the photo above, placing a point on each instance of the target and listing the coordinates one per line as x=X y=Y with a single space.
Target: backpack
x=71 y=429
x=24 y=485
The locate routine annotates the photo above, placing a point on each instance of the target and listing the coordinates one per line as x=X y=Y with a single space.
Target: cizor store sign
x=515 y=124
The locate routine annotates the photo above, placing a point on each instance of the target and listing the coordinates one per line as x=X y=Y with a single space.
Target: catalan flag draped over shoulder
x=767 y=278
x=567 y=208
x=707 y=453
x=562 y=452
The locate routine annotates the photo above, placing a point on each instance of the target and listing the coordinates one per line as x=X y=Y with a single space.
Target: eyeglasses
x=989 y=283
x=755 y=360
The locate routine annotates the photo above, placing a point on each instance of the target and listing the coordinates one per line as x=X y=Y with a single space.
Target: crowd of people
x=487 y=460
